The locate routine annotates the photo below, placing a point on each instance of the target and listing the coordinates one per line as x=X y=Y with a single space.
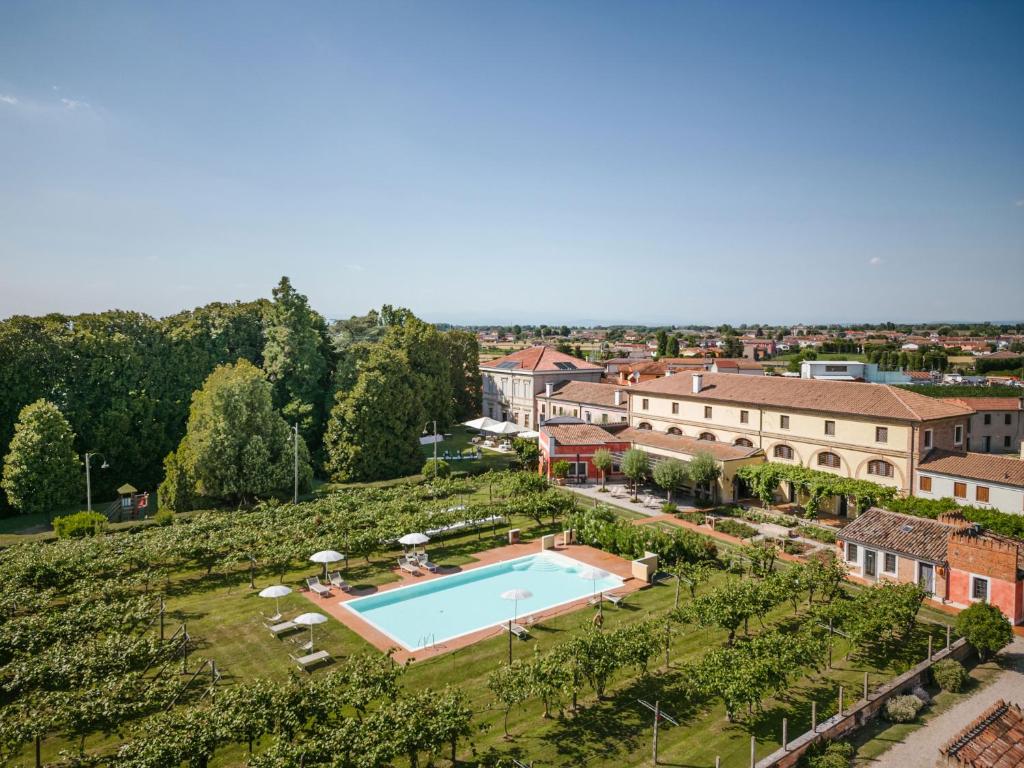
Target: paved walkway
x=921 y=748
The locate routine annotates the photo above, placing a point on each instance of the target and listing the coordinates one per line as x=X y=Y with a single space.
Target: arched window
x=643 y=425
x=675 y=431
x=743 y=442
x=827 y=459
x=782 y=452
x=706 y=436
x=881 y=468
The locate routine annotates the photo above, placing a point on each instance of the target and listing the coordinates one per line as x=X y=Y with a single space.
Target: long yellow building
x=872 y=432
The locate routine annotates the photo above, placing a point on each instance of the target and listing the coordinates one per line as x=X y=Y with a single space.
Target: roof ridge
x=899 y=396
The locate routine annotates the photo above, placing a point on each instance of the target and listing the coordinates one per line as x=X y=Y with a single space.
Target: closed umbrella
x=308 y=620
x=277 y=592
x=326 y=556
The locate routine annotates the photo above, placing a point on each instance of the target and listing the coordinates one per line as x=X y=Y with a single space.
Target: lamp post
x=88 y=478
x=434 y=422
x=295 y=441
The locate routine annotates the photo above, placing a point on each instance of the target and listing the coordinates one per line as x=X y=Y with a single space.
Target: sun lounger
x=279 y=629
x=340 y=583
x=408 y=567
x=424 y=561
x=613 y=598
x=518 y=630
x=311 y=659
x=315 y=586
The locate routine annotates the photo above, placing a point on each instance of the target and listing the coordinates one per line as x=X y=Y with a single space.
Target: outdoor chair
x=408 y=567
x=279 y=629
x=614 y=599
x=518 y=630
x=340 y=583
x=424 y=560
x=313 y=582
x=310 y=659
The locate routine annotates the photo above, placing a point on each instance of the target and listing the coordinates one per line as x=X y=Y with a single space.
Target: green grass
x=224 y=614
x=878 y=736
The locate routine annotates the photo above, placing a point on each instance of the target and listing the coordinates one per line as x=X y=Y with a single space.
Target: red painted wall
x=1005 y=595
x=585 y=453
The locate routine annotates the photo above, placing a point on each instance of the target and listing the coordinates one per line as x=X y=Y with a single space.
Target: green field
x=224 y=614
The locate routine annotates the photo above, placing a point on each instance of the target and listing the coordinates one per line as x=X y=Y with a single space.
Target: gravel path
x=921 y=748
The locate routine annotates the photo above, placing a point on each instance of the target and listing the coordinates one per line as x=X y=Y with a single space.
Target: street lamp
x=88 y=478
x=434 y=422
x=295 y=442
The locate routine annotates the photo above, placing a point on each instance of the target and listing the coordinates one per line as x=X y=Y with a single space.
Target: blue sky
x=676 y=162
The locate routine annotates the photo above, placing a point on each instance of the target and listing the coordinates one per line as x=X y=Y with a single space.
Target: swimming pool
x=441 y=609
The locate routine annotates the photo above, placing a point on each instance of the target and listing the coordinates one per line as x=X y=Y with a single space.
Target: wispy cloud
x=73 y=104
x=355 y=267
x=874 y=261
x=5 y=99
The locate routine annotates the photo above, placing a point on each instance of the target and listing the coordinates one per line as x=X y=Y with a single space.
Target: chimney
x=548 y=388
x=698 y=382
x=618 y=397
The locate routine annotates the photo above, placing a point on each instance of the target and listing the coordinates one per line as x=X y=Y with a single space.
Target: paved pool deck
x=594 y=557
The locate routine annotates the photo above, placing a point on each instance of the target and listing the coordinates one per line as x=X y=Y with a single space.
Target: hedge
x=601 y=528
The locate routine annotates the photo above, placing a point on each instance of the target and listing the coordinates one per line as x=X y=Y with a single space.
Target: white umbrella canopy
x=308 y=620
x=516 y=595
x=529 y=434
x=277 y=592
x=326 y=556
x=412 y=539
x=592 y=574
x=482 y=423
x=504 y=428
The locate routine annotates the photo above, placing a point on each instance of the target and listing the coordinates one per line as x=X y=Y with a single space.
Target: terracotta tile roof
x=588 y=393
x=580 y=434
x=988 y=467
x=687 y=445
x=994 y=740
x=540 y=359
x=918 y=537
x=842 y=397
x=741 y=363
x=987 y=403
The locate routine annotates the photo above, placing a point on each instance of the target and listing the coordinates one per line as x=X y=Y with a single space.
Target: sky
x=499 y=162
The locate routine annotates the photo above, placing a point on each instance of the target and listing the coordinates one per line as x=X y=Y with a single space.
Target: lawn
x=223 y=614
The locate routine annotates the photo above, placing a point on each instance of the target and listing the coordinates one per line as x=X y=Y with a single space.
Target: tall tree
x=237 y=447
x=466 y=387
x=296 y=359
x=374 y=428
x=670 y=475
x=427 y=352
x=672 y=350
x=41 y=473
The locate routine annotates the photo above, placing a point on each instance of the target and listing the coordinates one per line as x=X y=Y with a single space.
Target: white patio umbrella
x=326 y=556
x=414 y=540
x=529 y=434
x=277 y=592
x=516 y=595
x=592 y=575
x=480 y=424
x=504 y=428
x=308 y=620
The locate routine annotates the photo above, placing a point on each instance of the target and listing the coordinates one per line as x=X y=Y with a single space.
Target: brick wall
x=942 y=434
x=984 y=556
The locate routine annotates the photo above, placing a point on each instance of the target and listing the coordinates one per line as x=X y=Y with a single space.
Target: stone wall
x=863 y=711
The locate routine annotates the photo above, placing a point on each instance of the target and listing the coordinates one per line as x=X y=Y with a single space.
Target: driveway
x=921 y=748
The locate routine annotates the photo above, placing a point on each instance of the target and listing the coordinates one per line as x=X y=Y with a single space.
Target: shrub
x=560 y=469
x=949 y=675
x=164 y=517
x=79 y=525
x=669 y=507
x=985 y=628
x=436 y=468
x=823 y=535
x=602 y=529
x=735 y=528
x=691 y=516
x=834 y=754
x=903 y=709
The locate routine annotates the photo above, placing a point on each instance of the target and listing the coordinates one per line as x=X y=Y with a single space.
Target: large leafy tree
x=467 y=385
x=374 y=428
x=427 y=351
x=237 y=447
x=296 y=359
x=41 y=470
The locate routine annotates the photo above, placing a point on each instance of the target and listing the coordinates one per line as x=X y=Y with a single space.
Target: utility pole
x=88 y=477
x=659 y=715
x=295 y=494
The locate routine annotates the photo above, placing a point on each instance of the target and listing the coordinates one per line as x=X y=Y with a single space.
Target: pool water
x=440 y=609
